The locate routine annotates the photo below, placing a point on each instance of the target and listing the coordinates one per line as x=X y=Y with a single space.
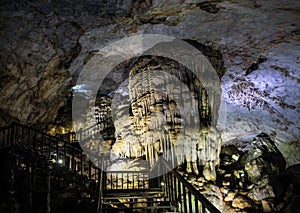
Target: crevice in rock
x=209 y=6
x=255 y=65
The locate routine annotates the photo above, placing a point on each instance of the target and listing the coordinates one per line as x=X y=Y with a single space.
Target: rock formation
x=253 y=45
x=251 y=177
x=166 y=111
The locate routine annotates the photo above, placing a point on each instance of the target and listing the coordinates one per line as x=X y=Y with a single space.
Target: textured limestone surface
x=46 y=44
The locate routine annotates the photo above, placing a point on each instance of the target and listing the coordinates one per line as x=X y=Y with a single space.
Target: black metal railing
x=126 y=180
x=55 y=149
x=101 y=126
x=181 y=193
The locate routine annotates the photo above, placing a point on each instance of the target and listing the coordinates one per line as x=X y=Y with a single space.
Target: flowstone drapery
x=169 y=114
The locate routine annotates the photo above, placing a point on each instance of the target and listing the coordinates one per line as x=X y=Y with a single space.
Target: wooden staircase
x=45 y=158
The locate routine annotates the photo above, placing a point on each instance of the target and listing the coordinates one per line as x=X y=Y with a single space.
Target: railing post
x=175 y=189
x=69 y=136
x=101 y=184
x=179 y=190
x=28 y=138
x=49 y=147
x=203 y=208
x=171 y=187
x=196 y=205
x=65 y=154
x=184 y=198
x=29 y=187
x=99 y=196
x=12 y=167
x=81 y=163
x=2 y=138
x=43 y=142
x=48 y=208
x=73 y=159
x=90 y=169
x=22 y=136
x=57 y=150
x=190 y=201
x=34 y=141
x=13 y=135
x=6 y=132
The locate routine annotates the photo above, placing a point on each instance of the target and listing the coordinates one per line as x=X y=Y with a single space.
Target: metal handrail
x=87 y=131
x=27 y=143
x=181 y=192
x=52 y=147
x=101 y=180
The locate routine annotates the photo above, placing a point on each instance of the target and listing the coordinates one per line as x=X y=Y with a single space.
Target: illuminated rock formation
x=167 y=112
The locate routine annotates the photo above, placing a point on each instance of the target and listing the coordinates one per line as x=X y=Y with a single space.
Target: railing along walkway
x=102 y=126
x=69 y=155
x=180 y=192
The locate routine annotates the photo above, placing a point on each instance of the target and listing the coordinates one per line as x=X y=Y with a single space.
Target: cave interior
x=149 y=106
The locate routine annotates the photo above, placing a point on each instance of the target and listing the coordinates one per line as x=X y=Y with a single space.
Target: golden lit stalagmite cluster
x=166 y=111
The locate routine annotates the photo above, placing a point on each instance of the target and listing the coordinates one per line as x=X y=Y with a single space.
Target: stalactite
x=160 y=123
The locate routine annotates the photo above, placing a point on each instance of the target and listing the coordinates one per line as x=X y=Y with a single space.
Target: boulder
x=262 y=159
